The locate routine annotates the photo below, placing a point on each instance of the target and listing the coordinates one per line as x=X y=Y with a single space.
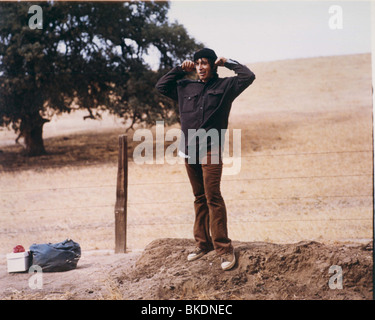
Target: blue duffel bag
x=62 y=256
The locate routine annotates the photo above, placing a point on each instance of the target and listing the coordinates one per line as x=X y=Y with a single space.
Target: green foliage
x=88 y=55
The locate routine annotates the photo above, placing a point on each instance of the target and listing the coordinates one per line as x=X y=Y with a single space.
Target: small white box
x=18 y=262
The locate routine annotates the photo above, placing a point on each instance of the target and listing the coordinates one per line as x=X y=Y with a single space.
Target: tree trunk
x=32 y=131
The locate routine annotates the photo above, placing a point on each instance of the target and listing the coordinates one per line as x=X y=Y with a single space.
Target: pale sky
x=252 y=31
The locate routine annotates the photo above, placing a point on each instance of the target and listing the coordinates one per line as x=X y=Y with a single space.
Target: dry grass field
x=306 y=169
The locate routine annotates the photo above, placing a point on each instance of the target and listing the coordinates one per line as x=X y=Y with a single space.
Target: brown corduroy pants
x=210 y=226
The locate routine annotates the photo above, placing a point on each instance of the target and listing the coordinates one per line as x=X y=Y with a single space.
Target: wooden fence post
x=121 y=196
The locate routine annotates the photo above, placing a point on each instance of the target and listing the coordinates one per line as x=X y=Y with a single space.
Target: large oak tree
x=87 y=55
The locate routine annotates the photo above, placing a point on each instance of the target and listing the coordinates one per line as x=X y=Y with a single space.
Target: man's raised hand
x=220 y=61
x=188 y=66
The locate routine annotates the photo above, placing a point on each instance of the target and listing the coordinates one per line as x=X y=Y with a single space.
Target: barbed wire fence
x=171 y=222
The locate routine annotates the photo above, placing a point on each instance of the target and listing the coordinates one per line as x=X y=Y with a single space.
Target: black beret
x=205 y=53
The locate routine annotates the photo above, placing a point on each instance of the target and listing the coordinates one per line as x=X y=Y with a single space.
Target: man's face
x=203 y=68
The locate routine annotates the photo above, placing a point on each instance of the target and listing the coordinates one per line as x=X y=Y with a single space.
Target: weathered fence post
x=121 y=196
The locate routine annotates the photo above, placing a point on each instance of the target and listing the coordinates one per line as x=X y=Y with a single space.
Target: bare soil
x=263 y=271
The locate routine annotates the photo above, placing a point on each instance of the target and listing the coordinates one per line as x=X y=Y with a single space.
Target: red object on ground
x=18 y=248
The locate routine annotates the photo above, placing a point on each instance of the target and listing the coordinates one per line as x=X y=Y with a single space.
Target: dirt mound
x=263 y=271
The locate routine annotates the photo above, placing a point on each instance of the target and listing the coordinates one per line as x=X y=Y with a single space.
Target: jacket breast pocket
x=188 y=103
x=214 y=97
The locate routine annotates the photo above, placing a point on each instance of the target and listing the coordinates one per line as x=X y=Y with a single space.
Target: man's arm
x=244 y=78
x=167 y=84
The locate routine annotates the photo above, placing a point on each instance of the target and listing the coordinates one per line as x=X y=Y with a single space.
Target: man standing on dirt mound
x=204 y=106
